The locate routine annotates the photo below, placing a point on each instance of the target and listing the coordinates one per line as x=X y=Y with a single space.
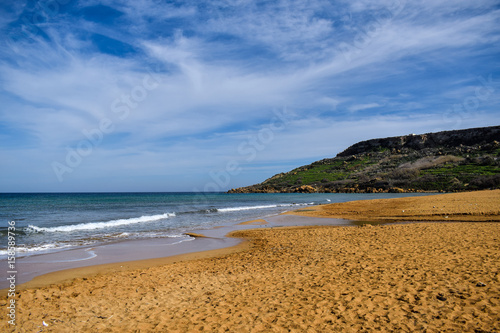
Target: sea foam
x=236 y=209
x=100 y=225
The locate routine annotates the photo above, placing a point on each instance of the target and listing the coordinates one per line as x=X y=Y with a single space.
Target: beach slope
x=467 y=206
x=434 y=277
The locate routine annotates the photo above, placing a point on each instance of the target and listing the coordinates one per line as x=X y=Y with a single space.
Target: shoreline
x=412 y=277
x=476 y=206
x=65 y=276
x=57 y=267
x=46 y=269
x=400 y=276
x=352 y=213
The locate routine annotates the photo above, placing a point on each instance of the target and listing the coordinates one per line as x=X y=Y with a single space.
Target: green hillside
x=445 y=161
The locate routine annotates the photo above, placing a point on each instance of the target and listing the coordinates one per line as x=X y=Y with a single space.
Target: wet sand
x=98 y=256
x=54 y=267
x=254 y=222
x=433 y=277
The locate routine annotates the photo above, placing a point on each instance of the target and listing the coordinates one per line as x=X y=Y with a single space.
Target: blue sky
x=154 y=95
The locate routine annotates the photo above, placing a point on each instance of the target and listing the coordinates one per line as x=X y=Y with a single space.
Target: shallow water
x=54 y=222
x=61 y=231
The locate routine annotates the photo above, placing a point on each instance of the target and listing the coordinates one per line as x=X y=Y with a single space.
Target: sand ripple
x=416 y=277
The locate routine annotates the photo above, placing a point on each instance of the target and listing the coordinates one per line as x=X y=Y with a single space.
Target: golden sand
x=433 y=277
x=254 y=222
x=469 y=206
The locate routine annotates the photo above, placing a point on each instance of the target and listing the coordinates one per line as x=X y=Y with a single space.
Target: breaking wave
x=100 y=225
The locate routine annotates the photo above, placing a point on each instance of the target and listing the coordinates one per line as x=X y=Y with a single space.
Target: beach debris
x=441 y=297
x=480 y=284
x=45 y=324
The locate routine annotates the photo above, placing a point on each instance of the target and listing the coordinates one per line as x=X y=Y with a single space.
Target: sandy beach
x=469 y=206
x=433 y=277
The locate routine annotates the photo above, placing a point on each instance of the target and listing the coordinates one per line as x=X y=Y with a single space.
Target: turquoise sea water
x=59 y=221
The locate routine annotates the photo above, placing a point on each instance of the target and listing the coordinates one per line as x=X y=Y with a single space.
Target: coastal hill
x=460 y=160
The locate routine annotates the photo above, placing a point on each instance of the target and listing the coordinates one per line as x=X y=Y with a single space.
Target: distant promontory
x=449 y=161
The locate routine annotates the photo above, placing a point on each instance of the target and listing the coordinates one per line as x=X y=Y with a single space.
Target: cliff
x=444 y=161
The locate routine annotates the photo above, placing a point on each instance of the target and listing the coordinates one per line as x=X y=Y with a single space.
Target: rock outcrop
x=444 y=161
x=446 y=139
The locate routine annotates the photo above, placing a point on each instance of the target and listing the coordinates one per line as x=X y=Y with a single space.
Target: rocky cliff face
x=447 y=139
x=444 y=161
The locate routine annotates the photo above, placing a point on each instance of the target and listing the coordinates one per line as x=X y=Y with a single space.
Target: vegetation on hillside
x=398 y=167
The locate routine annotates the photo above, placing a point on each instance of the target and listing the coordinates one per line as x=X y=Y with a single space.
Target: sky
x=152 y=95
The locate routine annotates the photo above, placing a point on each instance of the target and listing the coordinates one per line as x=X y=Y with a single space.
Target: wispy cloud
x=185 y=84
x=359 y=107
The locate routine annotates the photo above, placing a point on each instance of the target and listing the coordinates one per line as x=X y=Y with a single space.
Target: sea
x=52 y=222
